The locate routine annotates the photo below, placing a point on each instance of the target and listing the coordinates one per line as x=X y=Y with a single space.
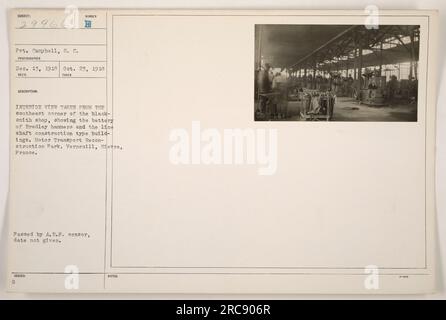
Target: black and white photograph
x=336 y=72
x=154 y=152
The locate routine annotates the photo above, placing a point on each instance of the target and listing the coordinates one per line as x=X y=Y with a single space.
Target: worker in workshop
x=392 y=87
x=264 y=85
x=350 y=84
x=271 y=75
x=280 y=85
x=413 y=90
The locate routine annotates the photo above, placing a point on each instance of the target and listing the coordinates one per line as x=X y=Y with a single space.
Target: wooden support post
x=259 y=34
x=355 y=62
x=359 y=66
x=413 y=72
x=313 y=86
x=360 y=62
x=381 y=59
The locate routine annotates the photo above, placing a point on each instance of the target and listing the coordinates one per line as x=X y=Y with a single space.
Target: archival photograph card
x=224 y=151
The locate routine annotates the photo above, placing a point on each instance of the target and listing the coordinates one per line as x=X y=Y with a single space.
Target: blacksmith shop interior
x=336 y=72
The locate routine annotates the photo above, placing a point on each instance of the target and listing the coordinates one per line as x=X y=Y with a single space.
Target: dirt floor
x=348 y=109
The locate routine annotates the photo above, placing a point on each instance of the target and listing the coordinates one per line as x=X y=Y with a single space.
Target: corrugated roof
x=288 y=45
